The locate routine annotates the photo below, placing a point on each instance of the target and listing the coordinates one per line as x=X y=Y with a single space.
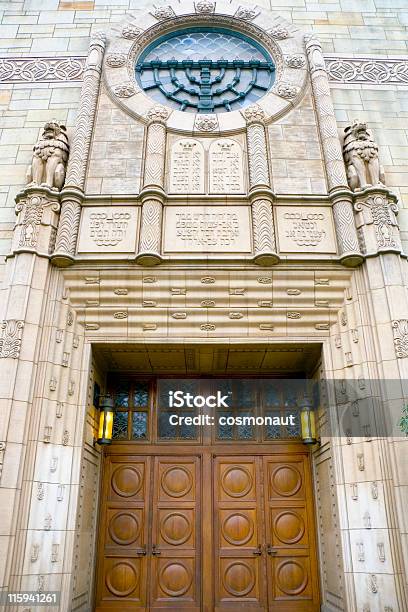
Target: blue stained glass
x=206 y=70
x=139 y=425
x=225 y=432
x=245 y=431
x=141 y=394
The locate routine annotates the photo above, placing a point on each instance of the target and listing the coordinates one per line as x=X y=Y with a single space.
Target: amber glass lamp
x=106 y=412
x=308 y=421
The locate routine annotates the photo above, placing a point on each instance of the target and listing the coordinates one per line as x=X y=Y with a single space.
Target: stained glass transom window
x=205 y=70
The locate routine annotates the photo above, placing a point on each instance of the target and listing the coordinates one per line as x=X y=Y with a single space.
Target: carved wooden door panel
x=122 y=571
x=239 y=562
x=175 y=570
x=292 y=573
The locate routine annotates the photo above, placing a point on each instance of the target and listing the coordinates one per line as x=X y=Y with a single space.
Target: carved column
x=72 y=193
x=339 y=192
x=261 y=196
x=153 y=194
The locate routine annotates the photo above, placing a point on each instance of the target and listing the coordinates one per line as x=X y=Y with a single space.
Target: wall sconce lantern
x=107 y=409
x=308 y=421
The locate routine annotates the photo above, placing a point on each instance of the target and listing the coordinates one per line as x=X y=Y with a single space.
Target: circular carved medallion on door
x=176 y=481
x=239 y=579
x=237 y=529
x=291 y=577
x=289 y=527
x=236 y=481
x=286 y=480
x=122 y=579
x=175 y=528
x=175 y=579
x=124 y=528
x=126 y=481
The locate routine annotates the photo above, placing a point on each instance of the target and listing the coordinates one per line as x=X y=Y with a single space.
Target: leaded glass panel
x=139 y=425
x=205 y=70
x=120 y=426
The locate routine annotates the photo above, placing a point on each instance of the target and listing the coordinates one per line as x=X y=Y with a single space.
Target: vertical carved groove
x=155 y=155
x=258 y=157
x=71 y=209
x=333 y=155
x=264 y=231
x=150 y=237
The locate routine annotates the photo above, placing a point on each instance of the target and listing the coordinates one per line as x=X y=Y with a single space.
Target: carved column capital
x=376 y=212
x=158 y=114
x=37 y=210
x=254 y=114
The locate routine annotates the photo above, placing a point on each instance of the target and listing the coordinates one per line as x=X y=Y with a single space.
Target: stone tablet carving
x=305 y=229
x=226 y=167
x=110 y=229
x=187 y=167
x=211 y=229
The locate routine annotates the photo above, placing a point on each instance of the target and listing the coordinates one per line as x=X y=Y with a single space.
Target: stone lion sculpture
x=50 y=157
x=361 y=157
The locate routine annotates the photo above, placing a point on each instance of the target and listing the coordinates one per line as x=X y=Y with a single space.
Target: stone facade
x=293 y=248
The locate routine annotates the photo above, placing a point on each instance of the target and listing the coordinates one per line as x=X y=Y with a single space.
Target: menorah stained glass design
x=205 y=70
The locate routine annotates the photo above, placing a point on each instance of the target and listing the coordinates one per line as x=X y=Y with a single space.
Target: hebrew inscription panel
x=211 y=229
x=226 y=167
x=187 y=167
x=108 y=229
x=305 y=229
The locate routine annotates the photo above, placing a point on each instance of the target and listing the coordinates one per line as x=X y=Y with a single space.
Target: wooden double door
x=206 y=532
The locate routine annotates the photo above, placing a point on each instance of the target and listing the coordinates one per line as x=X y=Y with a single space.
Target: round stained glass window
x=205 y=70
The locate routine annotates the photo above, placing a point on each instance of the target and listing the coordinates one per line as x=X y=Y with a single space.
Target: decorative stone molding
x=71 y=207
x=400 y=330
x=353 y=70
x=264 y=233
x=376 y=220
x=205 y=6
x=295 y=61
x=158 y=114
x=246 y=13
x=116 y=60
x=10 y=339
x=254 y=114
x=163 y=12
x=367 y=70
x=346 y=233
x=41 y=69
x=37 y=220
x=206 y=123
x=127 y=90
x=246 y=20
x=150 y=233
x=131 y=32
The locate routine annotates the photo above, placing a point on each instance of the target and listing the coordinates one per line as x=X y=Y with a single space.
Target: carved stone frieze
x=376 y=221
x=31 y=210
x=41 y=69
x=400 y=330
x=206 y=123
x=367 y=70
x=10 y=339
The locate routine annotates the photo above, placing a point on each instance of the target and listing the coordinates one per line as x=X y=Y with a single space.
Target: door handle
x=270 y=550
x=141 y=551
x=155 y=550
x=257 y=551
